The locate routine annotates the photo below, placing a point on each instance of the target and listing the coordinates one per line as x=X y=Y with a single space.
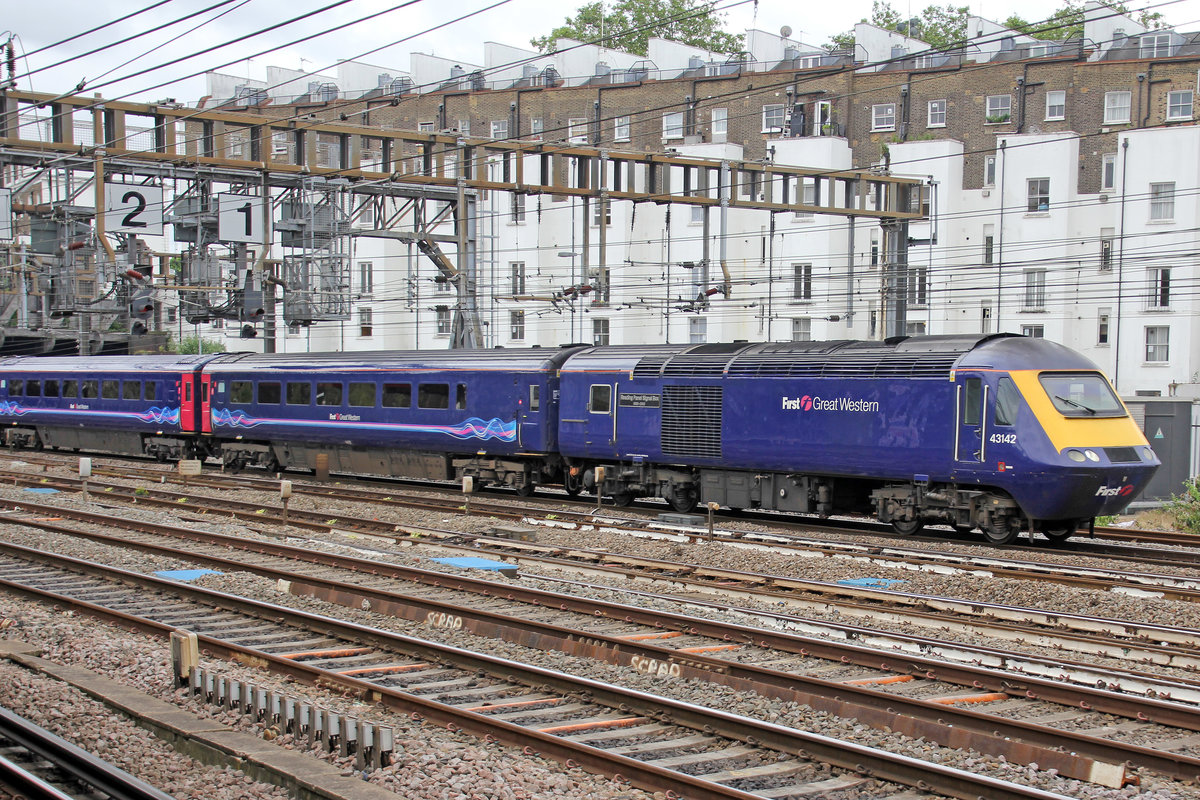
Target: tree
x=629 y=24
x=1067 y=22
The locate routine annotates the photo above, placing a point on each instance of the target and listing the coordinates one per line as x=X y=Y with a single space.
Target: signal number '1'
x=245 y=209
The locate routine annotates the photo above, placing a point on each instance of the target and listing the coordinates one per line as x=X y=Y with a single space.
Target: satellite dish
x=785 y=31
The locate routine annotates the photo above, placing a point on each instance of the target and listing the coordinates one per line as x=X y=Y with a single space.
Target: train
x=1000 y=433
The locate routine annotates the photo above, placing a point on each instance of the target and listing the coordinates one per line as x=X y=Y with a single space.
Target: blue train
x=1001 y=433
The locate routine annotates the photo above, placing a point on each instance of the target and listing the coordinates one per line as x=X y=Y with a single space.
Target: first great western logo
x=813 y=403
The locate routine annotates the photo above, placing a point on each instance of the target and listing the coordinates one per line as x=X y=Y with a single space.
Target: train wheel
x=683 y=500
x=524 y=489
x=1058 y=533
x=572 y=484
x=1002 y=531
x=622 y=498
x=907 y=527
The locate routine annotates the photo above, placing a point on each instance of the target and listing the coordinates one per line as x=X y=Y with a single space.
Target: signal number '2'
x=130 y=220
x=245 y=209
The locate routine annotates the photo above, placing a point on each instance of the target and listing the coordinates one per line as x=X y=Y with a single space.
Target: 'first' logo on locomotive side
x=813 y=403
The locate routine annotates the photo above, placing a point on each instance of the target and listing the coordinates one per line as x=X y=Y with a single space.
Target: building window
x=808 y=197
x=1039 y=195
x=1056 y=105
x=989 y=170
x=499 y=129
x=516 y=325
x=518 y=207
x=1116 y=107
x=535 y=128
x=1158 y=343
x=1035 y=289
x=720 y=124
x=600 y=336
x=366 y=277
x=999 y=108
x=1107 y=239
x=937 y=114
x=596 y=206
x=883 y=117
x=1154 y=45
x=1033 y=331
x=443 y=320
x=1108 y=172
x=673 y=125
x=989 y=249
x=914 y=329
x=425 y=127
x=801 y=329
x=365 y=320
x=621 y=129
x=1102 y=327
x=1179 y=105
x=697 y=330
x=802 y=283
x=1162 y=201
x=985 y=319
x=773 y=118
x=517 y=273
x=577 y=132
x=1160 y=288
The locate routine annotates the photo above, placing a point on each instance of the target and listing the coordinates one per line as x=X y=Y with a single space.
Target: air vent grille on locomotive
x=691 y=421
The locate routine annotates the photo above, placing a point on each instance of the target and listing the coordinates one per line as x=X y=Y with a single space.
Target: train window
x=16 y=388
x=91 y=390
x=1008 y=400
x=241 y=392
x=269 y=392
x=203 y=391
x=329 y=394
x=152 y=390
x=70 y=389
x=131 y=390
x=973 y=402
x=109 y=390
x=397 y=395
x=535 y=398
x=433 y=395
x=33 y=388
x=299 y=394
x=187 y=392
x=50 y=389
x=601 y=399
x=362 y=395
x=460 y=398
x=1081 y=394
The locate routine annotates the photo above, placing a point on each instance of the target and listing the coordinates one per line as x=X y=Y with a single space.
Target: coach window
x=269 y=392
x=241 y=393
x=362 y=395
x=299 y=394
x=433 y=395
x=131 y=390
x=329 y=394
x=152 y=390
x=601 y=402
x=70 y=389
x=33 y=388
x=397 y=395
x=108 y=390
x=91 y=390
x=535 y=398
x=460 y=398
x=1008 y=400
x=16 y=388
x=973 y=402
x=50 y=389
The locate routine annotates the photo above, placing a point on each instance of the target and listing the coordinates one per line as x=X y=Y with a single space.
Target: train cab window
x=362 y=395
x=397 y=395
x=16 y=388
x=329 y=394
x=1008 y=400
x=460 y=398
x=299 y=394
x=1084 y=394
x=270 y=392
x=241 y=393
x=109 y=390
x=433 y=395
x=131 y=390
x=33 y=388
x=972 y=401
x=601 y=399
x=70 y=388
x=50 y=389
x=91 y=390
x=535 y=398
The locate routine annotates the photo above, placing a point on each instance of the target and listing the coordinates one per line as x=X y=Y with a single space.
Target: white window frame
x=1035 y=331
x=673 y=125
x=518 y=209
x=771 y=112
x=1104 y=327
x=366 y=278
x=808 y=196
x=801 y=329
x=1108 y=172
x=516 y=326
x=802 y=283
x=536 y=126
x=1162 y=201
x=601 y=331
x=883 y=117
x=425 y=127
x=516 y=273
x=1158 y=344
x=1035 y=290
x=719 y=121
x=936 y=116
x=1035 y=189
x=989 y=171
x=577 y=130
x=443 y=320
x=697 y=330
x=499 y=129
x=1117 y=107
x=1179 y=105
x=621 y=128
x=464 y=127
x=1154 y=45
x=998 y=105
x=366 y=327
x=1056 y=105
x=1158 y=297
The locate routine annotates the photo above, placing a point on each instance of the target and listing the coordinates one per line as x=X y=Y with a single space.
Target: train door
x=602 y=414
x=205 y=401
x=529 y=411
x=970 y=426
x=187 y=402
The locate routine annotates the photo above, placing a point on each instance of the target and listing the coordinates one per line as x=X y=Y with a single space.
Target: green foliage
x=196 y=345
x=1185 y=507
x=629 y=25
x=1106 y=519
x=1067 y=22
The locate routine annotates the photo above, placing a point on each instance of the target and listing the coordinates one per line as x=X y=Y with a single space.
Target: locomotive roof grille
x=846 y=364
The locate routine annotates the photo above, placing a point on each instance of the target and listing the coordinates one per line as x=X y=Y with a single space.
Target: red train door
x=187 y=402
x=205 y=404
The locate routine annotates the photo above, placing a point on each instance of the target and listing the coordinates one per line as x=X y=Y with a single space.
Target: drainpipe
x=1120 y=266
x=1000 y=243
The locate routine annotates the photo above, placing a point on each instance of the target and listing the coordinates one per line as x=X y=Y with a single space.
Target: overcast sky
x=430 y=25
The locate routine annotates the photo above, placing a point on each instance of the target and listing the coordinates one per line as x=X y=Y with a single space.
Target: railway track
x=693 y=648
x=651 y=741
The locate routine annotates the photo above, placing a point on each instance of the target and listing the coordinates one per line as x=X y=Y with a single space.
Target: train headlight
x=1091 y=455
x=1147 y=454
x=1076 y=455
